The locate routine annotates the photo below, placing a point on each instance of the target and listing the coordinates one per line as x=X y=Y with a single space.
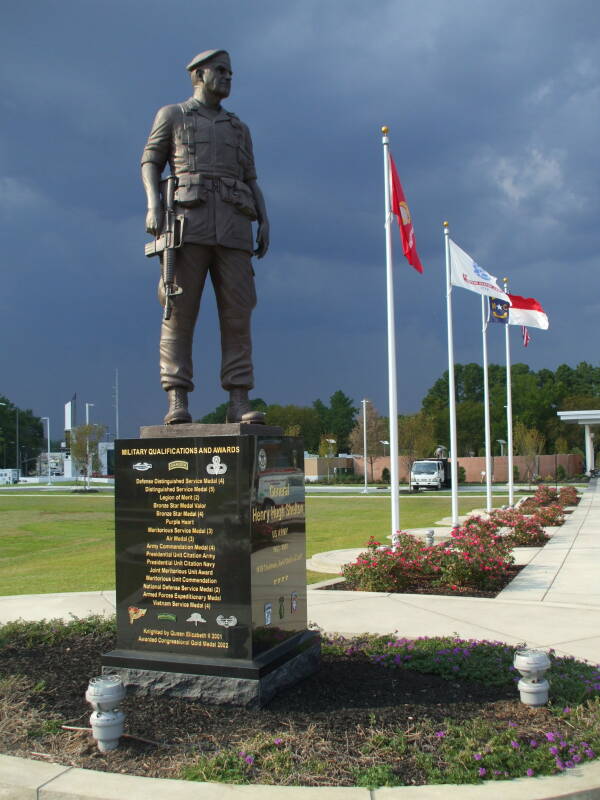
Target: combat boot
x=178 y=407
x=240 y=410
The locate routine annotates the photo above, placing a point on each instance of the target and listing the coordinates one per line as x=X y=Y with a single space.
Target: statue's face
x=217 y=75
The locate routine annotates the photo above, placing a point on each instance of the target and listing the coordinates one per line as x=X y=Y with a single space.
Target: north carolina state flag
x=400 y=209
x=526 y=311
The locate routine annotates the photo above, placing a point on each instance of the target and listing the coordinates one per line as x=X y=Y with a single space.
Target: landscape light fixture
x=104 y=694
x=533 y=665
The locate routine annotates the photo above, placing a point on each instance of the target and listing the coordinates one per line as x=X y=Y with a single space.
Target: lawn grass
x=56 y=544
x=65 y=543
x=336 y=523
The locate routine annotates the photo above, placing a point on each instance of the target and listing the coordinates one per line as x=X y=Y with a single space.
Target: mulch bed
x=326 y=717
x=426 y=588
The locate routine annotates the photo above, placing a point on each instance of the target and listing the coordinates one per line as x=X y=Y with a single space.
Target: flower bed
x=526 y=531
x=550 y=515
x=382 y=711
x=567 y=496
x=548 y=505
x=475 y=557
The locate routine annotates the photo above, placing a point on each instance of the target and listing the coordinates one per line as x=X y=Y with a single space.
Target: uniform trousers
x=232 y=277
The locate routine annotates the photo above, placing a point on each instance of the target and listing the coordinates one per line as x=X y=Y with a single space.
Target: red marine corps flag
x=401 y=210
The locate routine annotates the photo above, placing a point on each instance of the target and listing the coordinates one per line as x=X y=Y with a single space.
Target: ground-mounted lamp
x=104 y=695
x=533 y=665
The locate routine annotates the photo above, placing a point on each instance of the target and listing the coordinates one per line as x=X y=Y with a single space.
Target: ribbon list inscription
x=180 y=567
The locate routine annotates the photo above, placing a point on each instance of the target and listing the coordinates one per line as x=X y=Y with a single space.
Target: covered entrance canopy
x=587 y=419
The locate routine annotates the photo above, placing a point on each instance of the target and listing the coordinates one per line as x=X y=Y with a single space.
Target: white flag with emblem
x=467 y=273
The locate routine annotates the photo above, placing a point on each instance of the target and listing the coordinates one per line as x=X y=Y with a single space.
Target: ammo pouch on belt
x=239 y=195
x=191 y=190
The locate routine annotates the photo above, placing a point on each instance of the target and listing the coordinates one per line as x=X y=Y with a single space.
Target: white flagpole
x=451 y=388
x=509 y=425
x=391 y=330
x=486 y=405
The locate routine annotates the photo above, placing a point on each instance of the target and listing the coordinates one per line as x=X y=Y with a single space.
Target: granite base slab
x=222 y=689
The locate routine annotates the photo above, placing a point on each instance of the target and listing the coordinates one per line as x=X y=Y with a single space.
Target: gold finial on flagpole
x=385 y=130
x=446 y=223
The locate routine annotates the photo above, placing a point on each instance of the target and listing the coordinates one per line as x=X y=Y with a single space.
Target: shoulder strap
x=187 y=112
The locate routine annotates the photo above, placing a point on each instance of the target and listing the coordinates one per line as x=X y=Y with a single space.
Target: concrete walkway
x=553 y=603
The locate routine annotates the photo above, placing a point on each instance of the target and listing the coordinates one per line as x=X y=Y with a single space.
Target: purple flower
x=569 y=764
x=554 y=751
x=242 y=754
x=477 y=756
x=249 y=760
x=515 y=745
x=482 y=771
x=512 y=724
x=566 y=710
x=551 y=737
x=533 y=743
x=590 y=753
x=560 y=764
x=577 y=758
x=440 y=734
x=278 y=742
x=530 y=773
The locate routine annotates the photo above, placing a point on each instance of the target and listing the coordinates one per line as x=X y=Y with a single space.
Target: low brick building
x=545 y=466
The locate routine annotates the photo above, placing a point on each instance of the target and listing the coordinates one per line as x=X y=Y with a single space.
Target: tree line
x=337 y=426
x=325 y=428
x=536 y=397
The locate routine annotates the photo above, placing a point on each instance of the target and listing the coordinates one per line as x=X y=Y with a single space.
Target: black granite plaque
x=210 y=554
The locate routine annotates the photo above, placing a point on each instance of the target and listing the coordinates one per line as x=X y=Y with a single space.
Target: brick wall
x=545 y=465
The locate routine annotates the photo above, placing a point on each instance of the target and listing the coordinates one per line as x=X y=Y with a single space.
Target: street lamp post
x=17 y=462
x=330 y=443
x=384 y=442
x=48 y=432
x=87 y=445
x=364 y=405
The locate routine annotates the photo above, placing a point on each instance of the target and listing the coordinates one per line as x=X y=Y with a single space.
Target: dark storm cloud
x=493 y=110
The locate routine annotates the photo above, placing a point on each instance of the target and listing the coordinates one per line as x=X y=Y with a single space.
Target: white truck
x=430 y=473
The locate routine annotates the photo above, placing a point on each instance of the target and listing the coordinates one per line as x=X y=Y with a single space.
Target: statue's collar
x=209 y=113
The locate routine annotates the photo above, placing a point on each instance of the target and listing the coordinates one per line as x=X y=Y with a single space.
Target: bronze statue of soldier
x=216 y=199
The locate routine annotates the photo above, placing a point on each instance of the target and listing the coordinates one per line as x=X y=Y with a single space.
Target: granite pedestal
x=211 y=563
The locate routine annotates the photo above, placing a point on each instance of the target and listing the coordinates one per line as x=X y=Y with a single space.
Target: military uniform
x=210 y=153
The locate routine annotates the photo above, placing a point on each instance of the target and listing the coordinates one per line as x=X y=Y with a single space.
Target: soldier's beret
x=201 y=58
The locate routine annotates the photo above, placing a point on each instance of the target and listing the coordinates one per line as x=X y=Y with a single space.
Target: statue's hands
x=154 y=220
x=262 y=239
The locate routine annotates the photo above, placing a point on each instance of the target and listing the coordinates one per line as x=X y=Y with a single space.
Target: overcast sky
x=493 y=109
